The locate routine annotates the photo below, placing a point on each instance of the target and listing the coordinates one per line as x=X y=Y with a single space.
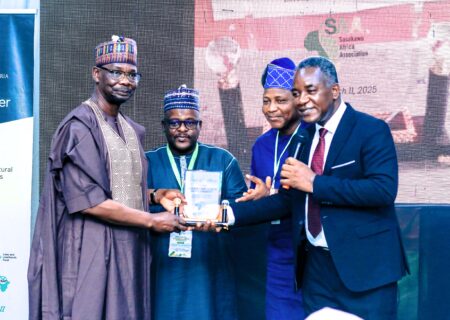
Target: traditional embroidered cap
x=118 y=50
x=181 y=98
x=279 y=74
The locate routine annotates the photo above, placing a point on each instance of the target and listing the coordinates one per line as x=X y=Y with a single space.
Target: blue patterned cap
x=181 y=98
x=279 y=74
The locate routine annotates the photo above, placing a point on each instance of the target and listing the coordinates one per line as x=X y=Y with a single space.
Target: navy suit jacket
x=356 y=193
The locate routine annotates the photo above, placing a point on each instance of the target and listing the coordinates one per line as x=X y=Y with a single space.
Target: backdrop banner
x=16 y=146
x=393 y=62
x=392 y=58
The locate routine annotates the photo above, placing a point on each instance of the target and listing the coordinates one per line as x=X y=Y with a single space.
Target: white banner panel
x=15 y=209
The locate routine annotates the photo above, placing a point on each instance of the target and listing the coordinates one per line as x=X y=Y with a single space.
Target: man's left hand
x=296 y=174
x=209 y=225
x=166 y=197
x=262 y=189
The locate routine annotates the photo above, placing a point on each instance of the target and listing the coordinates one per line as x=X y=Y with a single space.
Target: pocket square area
x=343 y=164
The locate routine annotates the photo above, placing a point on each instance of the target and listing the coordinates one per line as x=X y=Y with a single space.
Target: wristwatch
x=153 y=197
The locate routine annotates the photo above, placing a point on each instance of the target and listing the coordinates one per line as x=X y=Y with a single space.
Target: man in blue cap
x=196 y=281
x=269 y=153
x=340 y=190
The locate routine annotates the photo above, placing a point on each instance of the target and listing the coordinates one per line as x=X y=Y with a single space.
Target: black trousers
x=322 y=287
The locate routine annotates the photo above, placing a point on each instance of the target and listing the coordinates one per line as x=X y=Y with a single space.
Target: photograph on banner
x=393 y=59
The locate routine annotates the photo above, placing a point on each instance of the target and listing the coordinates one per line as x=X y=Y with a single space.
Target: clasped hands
x=172 y=198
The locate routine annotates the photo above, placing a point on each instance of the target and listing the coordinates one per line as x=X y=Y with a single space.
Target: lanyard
x=276 y=162
x=175 y=168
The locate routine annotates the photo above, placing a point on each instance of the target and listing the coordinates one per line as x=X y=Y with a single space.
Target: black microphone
x=302 y=137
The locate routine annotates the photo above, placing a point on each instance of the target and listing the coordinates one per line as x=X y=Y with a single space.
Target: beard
x=119 y=99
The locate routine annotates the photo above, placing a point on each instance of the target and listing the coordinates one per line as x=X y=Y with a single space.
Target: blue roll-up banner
x=16 y=144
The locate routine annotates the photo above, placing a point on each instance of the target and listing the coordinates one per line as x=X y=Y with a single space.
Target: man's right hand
x=167 y=222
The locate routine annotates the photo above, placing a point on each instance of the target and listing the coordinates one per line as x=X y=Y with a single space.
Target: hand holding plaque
x=222 y=221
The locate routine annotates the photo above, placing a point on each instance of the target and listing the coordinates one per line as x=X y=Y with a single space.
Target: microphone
x=302 y=138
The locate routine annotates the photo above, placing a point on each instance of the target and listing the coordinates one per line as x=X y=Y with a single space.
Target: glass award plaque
x=202 y=190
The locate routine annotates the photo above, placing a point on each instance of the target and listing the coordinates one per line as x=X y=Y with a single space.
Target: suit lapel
x=304 y=157
x=341 y=137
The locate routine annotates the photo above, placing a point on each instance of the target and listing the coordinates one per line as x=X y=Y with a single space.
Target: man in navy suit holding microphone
x=340 y=190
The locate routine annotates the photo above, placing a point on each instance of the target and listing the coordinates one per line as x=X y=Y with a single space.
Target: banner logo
x=3 y=283
x=336 y=38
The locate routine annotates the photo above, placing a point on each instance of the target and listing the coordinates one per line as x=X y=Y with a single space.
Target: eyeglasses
x=117 y=74
x=175 y=123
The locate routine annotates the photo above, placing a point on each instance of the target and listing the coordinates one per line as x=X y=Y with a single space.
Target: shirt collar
x=332 y=124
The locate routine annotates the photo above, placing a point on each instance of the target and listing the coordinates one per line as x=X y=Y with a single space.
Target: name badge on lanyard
x=180 y=245
x=277 y=163
x=274 y=191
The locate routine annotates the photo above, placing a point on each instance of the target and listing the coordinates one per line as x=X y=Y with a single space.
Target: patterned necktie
x=314 y=224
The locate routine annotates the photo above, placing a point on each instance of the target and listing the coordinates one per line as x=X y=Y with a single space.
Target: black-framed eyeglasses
x=117 y=74
x=175 y=123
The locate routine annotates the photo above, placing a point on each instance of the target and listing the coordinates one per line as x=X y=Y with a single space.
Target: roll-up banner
x=16 y=144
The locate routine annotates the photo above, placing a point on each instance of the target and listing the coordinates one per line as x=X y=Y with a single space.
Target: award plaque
x=202 y=190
